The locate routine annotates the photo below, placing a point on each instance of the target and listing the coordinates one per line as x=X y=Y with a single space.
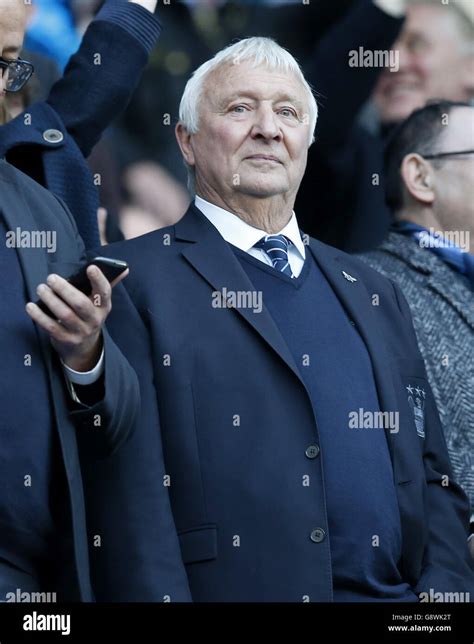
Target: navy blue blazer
x=208 y=365
x=51 y=140
x=27 y=205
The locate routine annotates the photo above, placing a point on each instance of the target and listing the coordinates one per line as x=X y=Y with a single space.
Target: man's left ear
x=184 y=141
x=418 y=178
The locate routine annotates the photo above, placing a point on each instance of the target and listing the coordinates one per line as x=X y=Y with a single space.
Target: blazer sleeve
x=447 y=564
x=101 y=77
x=104 y=426
x=139 y=558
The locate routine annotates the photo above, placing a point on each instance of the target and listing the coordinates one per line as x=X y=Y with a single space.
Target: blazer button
x=317 y=535
x=53 y=136
x=312 y=451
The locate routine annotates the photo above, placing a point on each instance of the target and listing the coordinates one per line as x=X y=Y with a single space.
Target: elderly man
x=297 y=467
x=429 y=169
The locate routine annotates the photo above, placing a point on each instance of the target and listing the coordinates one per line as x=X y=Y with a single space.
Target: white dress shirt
x=244 y=236
x=83 y=377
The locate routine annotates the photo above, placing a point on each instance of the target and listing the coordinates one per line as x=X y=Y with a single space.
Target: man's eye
x=239 y=109
x=287 y=112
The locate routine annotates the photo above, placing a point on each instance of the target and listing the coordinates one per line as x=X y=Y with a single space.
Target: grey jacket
x=442 y=307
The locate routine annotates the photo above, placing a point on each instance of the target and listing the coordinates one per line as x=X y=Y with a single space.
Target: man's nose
x=266 y=124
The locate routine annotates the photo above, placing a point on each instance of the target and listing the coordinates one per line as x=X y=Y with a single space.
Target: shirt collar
x=239 y=233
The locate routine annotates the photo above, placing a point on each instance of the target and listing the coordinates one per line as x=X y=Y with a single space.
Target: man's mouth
x=264 y=157
x=399 y=87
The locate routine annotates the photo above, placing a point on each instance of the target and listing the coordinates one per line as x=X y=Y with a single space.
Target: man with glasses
x=15 y=73
x=429 y=166
x=51 y=140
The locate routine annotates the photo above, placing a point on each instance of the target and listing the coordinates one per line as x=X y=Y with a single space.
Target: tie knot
x=276 y=247
x=274 y=243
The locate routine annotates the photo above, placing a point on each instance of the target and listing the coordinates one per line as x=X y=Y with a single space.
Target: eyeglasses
x=442 y=155
x=18 y=72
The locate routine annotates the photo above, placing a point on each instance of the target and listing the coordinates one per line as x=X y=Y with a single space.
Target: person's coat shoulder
x=47 y=206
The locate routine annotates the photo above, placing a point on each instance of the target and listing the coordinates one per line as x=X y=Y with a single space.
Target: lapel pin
x=348 y=277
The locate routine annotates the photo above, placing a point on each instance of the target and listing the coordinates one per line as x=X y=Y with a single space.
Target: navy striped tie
x=276 y=247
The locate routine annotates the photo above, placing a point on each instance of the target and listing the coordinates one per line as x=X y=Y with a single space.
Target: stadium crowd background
x=143 y=179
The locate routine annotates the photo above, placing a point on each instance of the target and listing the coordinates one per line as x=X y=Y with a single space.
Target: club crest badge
x=416 y=400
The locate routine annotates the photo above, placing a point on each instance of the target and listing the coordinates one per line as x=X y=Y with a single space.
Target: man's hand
x=147 y=4
x=76 y=332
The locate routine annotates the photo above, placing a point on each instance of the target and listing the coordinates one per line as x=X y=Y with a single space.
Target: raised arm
x=101 y=77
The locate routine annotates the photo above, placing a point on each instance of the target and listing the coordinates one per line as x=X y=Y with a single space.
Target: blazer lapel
x=33 y=261
x=17 y=215
x=213 y=259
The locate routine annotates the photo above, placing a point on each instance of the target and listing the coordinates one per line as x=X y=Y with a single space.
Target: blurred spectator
x=155 y=199
x=345 y=164
x=429 y=168
x=436 y=49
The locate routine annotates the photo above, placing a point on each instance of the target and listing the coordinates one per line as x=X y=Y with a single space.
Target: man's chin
x=398 y=110
x=263 y=189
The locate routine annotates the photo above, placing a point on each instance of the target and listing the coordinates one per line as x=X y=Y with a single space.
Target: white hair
x=262 y=51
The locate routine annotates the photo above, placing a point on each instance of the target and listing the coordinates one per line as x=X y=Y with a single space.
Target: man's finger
x=76 y=300
x=59 y=309
x=47 y=323
x=101 y=289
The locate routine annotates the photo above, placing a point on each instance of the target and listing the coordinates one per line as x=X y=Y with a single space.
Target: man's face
x=253 y=134
x=12 y=29
x=454 y=185
x=432 y=65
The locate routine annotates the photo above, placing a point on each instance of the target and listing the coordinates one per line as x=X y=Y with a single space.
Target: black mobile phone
x=111 y=268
